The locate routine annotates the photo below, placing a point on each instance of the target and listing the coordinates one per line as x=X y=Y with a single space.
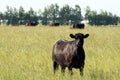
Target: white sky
x=108 y=5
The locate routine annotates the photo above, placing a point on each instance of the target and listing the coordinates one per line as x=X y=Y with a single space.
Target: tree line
x=102 y=18
x=53 y=13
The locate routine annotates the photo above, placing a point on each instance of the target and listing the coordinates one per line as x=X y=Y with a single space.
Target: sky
x=112 y=6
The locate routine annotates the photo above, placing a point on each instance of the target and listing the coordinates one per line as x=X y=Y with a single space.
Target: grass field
x=25 y=53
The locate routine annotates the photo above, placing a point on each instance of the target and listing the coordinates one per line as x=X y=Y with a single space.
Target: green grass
x=25 y=53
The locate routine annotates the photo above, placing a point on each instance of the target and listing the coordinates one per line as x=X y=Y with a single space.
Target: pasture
x=25 y=53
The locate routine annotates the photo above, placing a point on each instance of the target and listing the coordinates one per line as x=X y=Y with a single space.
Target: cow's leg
x=81 y=71
x=63 y=69
x=81 y=68
x=55 y=67
x=70 y=70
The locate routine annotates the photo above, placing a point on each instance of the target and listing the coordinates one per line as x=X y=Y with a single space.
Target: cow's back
x=58 y=54
x=80 y=26
x=59 y=46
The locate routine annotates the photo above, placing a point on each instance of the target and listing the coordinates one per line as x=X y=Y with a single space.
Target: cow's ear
x=86 y=35
x=72 y=36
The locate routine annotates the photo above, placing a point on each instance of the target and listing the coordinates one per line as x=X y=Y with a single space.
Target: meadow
x=25 y=53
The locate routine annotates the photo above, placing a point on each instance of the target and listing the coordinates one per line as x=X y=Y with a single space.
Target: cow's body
x=69 y=54
x=54 y=24
x=31 y=24
x=80 y=26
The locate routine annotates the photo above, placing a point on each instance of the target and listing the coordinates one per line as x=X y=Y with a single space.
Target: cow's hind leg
x=55 y=67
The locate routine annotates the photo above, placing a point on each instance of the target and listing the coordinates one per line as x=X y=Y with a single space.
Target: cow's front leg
x=81 y=71
x=63 y=69
x=70 y=70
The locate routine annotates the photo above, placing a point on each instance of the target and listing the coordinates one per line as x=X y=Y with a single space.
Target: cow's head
x=79 y=37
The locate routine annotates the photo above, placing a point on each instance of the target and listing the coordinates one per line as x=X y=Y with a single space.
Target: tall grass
x=25 y=53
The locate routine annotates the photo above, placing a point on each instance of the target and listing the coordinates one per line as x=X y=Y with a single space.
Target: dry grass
x=25 y=53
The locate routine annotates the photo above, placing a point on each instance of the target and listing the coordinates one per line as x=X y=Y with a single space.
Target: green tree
x=21 y=15
x=103 y=18
x=45 y=16
x=50 y=14
x=119 y=19
x=8 y=15
x=14 y=17
x=76 y=16
x=30 y=16
x=1 y=17
x=87 y=10
x=54 y=12
x=64 y=14
x=11 y=15
x=39 y=15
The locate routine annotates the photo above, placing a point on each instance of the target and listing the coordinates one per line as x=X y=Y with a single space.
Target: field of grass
x=25 y=53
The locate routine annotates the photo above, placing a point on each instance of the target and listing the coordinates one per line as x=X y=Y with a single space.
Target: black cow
x=69 y=53
x=80 y=26
x=54 y=24
x=31 y=24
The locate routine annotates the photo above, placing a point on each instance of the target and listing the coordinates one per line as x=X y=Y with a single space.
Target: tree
x=39 y=15
x=103 y=18
x=119 y=19
x=11 y=15
x=87 y=10
x=21 y=15
x=14 y=17
x=54 y=12
x=45 y=16
x=65 y=14
x=1 y=17
x=75 y=15
x=31 y=16
x=50 y=14
x=8 y=15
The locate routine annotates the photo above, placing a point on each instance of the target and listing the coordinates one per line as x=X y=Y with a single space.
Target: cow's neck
x=79 y=45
